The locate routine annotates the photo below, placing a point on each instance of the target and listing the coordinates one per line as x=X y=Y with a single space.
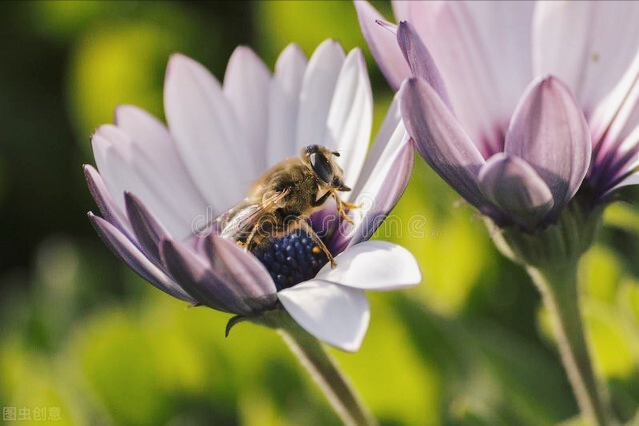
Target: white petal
x=246 y=86
x=334 y=314
x=284 y=100
x=388 y=140
x=154 y=152
x=617 y=116
x=589 y=45
x=203 y=125
x=373 y=265
x=317 y=94
x=125 y=167
x=351 y=116
x=383 y=179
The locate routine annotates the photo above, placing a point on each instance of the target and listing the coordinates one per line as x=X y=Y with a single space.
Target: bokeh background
x=83 y=337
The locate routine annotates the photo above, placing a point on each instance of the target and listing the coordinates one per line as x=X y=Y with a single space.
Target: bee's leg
x=249 y=239
x=321 y=200
x=316 y=239
x=340 y=208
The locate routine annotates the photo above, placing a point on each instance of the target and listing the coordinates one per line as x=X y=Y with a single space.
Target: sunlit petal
x=373 y=265
x=350 y=117
x=246 y=86
x=335 y=314
x=284 y=100
x=316 y=95
x=202 y=123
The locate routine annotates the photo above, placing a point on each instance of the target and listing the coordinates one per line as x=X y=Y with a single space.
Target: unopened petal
x=420 y=60
x=373 y=265
x=382 y=44
x=440 y=139
x=548 y=130
x=516 y=188
x=334 y=314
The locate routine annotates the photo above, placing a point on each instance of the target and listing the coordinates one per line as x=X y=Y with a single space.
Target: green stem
x=322 y=368
x=558 y=287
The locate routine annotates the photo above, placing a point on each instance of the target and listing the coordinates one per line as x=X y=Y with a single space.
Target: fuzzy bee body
x=281 y=200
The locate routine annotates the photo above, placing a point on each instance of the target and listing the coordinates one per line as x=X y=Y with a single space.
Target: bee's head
x=320 y=160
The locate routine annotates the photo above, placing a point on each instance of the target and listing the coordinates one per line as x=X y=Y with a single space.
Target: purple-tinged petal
x=483 y=51
x=588 y=45
x=382 y=44
x=514 y=186
x=203 y=125
x=148 y=231
x=246 y=275
x=632 y=179
x=197 y=278
x=420 y=60
x=616 y=118
x=316 y=96
x=440 y=139
x=246 y=86
x=373 y=265
x=612 y=168
x=334 y=314
x=549 y=132
x=284 y=100
x=350 y=117
x=104 y=201
x=128 y=252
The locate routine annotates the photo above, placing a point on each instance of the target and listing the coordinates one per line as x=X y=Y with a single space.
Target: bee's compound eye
x=321 y=166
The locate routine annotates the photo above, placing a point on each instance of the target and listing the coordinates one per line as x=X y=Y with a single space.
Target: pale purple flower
x=157 y=187
x=526 y=102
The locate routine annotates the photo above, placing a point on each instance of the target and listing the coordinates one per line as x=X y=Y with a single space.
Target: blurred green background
x=84 y=339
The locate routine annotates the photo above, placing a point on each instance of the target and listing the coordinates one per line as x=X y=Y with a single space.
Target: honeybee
x=281 y=200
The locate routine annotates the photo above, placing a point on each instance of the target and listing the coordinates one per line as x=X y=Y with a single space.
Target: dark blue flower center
x=291 y=259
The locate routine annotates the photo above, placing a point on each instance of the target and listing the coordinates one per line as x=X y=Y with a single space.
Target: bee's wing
x=238 y=222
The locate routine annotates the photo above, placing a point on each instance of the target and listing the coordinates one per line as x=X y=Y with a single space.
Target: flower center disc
x=291 y=259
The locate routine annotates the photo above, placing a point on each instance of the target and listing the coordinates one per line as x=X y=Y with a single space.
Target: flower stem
x=323 y=369
x=558 y=286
